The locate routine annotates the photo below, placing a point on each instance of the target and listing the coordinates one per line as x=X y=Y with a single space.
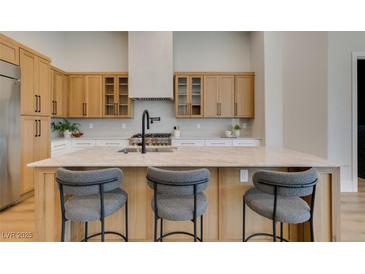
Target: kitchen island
x=223 y=219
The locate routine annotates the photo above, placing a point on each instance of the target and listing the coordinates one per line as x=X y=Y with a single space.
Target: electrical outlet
x=243 y=176
x=123 y=125
x=197 y=125
x=244 y=125
x=91 y=125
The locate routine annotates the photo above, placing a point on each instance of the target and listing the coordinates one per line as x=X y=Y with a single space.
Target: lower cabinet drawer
x=187 y=143
x=246 y=143
x=112 y=143
x=218 y=143
x=80 y=144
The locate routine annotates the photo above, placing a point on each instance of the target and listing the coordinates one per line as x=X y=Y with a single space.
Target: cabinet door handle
x=235 y=108
x=217 y=109
x=55 y=103
x=36 y=128
x=36 y=103
x=39 y=104
x=40 y=128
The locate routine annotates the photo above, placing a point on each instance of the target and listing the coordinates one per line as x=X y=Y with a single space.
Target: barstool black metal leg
x=201 y=228
x=63 y=231
x=161 y=229
x=274 y=231
x=155 y=230
x=102 y=230
x=244 y=220
x=195 y=236
x=281 y=231
x=85 y=231
x=311 y=229
x=126 y=220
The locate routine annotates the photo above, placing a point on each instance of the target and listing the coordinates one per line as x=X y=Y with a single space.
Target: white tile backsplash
x=165 y=110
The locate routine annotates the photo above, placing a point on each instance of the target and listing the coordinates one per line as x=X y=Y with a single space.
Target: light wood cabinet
x=35 y=146
x=59 y=94
x=65 y=96
x=244 y=96
x=9 y=50
x=188 y=96
x=85 y=95
x=116 y=101
x=214 y=95
x=35 y=84
x=94 y=95
x=77 y=96
x=218 y=96
x=211 y=91
x=226 y=96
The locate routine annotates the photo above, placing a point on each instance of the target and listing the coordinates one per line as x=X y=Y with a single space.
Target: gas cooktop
x=153 y=135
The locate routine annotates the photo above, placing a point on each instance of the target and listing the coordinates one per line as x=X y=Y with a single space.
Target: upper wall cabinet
x=219 y=96
x=59 y=93
x=77 y=99
x=35 y=84
x=9 y=50
x=85 y=95
x=244 y=96
x=116 y=101
x=189 y=95
x=214 y=95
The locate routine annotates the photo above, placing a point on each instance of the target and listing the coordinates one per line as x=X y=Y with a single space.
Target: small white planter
x=237 y=132
x=67 y=134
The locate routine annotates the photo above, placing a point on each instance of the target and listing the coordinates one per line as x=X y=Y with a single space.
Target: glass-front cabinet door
x=123 y=99
x=196 y=88
x=116 y=100
x=182 y=96
x=188 y=95
x=109 y=96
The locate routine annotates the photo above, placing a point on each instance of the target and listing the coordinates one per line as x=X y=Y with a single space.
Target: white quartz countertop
x=187 y=157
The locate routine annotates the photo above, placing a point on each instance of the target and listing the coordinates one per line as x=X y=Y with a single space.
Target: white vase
x=67 y=134
x=237 y=132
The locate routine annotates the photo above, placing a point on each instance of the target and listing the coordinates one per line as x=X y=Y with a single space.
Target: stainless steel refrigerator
x=9 y=134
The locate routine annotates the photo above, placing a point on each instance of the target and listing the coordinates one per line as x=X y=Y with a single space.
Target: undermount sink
x=149 y=149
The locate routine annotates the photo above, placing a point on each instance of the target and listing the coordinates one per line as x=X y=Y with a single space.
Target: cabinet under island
x=223 y=219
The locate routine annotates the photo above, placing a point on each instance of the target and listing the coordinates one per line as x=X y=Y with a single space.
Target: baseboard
x=348 y=186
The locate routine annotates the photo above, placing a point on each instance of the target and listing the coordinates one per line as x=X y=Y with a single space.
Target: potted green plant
x=65 y=128
x=237 y=130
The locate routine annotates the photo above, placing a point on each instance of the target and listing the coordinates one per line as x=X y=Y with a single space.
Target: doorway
x=361 y=124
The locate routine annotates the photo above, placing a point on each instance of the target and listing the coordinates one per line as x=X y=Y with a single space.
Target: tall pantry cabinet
x=35 y=112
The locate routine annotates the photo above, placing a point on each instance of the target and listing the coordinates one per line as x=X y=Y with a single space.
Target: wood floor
x=20 y=218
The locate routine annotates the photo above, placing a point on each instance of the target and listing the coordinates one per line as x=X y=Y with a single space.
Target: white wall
x=211 y=51
x=96 y=51
x=340 y=48
x=49 y=43
x=273 y=89
x=304 y=88
x=79 y=51
x=258 y=66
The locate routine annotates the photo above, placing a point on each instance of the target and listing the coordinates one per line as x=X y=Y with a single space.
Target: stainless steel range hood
x=150 y=65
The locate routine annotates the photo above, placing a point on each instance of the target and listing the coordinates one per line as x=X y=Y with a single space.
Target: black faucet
x=145 y=113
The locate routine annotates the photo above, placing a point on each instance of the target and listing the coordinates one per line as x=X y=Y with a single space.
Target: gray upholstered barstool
x=279 y=196
x=92 y=195
x=178 y=196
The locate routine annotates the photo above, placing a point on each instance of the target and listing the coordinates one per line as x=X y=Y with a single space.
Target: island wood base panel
x=222 y=221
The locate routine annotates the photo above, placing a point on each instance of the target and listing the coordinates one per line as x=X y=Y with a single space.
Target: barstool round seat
x=87 y=208
x=292 y=210
x=180 y=207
